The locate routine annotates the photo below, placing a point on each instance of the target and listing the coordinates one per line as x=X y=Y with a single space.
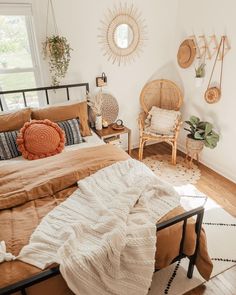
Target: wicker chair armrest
x=177 y=128
x=178 y=125
x=141 y=120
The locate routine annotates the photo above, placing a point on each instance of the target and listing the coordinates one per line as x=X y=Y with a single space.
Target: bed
x=178 y=229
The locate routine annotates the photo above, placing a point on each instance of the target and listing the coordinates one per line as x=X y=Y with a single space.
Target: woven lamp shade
x=40 y=139
x=164 y=94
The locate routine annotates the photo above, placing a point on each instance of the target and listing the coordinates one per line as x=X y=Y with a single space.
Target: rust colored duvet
x=30 y=189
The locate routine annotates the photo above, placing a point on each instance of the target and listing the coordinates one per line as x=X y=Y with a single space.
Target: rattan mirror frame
x=122 y=14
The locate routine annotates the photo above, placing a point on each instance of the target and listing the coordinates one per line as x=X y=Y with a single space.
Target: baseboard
x=211 y=166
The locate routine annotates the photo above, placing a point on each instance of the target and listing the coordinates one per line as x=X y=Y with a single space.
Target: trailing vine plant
x=57 y=50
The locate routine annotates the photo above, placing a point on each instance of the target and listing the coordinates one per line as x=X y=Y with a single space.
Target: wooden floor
x=223 y=192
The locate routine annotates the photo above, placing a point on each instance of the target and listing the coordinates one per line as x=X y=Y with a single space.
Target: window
x=18 y=59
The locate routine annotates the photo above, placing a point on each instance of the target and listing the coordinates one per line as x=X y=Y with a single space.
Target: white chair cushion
x=161 y=121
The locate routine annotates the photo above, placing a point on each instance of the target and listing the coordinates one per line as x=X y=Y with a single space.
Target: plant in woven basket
x=200 y=71
x=203 y=131
x=58 y=52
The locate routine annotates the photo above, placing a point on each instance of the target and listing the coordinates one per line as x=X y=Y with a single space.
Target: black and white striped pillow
x=72 y=131
x=8 y=146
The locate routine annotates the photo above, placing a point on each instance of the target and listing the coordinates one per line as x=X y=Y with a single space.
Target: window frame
x=24 y=9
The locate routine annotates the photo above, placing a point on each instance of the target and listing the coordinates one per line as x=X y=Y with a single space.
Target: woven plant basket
x=194 y=146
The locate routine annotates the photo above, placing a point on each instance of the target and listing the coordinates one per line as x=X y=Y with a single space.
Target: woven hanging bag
x=213 y=94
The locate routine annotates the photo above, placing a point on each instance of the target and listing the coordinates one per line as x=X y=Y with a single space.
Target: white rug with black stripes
x=220 y=229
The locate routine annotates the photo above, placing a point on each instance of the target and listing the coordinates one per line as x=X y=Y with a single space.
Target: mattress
x=90 y=141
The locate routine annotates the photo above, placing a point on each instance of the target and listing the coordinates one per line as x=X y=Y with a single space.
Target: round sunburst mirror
x=122 y=34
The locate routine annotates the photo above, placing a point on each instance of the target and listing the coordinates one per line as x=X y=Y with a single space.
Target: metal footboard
x=198 y=212
x=21 y=286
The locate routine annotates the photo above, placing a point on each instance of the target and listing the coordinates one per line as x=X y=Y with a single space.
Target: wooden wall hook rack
x=214 y=44
x=227 y=45
x=207 y=47
x=198 y=51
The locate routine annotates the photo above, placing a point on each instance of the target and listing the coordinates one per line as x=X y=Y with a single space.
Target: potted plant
x=200 y=134
x=96 y=105
x=58 y=52
x=200 y=74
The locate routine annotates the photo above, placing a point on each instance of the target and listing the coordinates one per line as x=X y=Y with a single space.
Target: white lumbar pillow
x=161 y=121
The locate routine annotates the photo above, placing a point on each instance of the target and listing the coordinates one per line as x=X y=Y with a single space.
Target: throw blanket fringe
x=104 y=235
x=4 y=255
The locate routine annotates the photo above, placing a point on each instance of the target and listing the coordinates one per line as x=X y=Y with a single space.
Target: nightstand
x=109 y=132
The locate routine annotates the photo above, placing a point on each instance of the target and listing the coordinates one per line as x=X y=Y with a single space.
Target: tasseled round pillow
x=40 y=139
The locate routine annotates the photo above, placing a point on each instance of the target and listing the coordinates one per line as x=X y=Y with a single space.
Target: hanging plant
x=57 y=51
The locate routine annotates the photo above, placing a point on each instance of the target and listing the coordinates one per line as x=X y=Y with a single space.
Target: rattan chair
x=164 y=94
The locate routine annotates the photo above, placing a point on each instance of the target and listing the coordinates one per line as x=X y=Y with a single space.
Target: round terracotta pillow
x=40 y=139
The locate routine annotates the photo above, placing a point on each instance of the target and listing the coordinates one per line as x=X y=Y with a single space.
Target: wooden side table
x=110 y=132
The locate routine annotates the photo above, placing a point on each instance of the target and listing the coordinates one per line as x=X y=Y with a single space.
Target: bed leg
x=198 y=233
x=23 y=292
x=190 y=269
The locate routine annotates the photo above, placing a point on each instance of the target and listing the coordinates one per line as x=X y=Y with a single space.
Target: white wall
x=79 y=21
x=208 y=17
x=168 y=23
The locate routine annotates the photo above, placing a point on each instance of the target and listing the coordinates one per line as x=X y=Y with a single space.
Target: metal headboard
x=46 y=89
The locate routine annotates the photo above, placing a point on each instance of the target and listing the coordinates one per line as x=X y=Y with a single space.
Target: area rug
x=178 y=174
x=220 y=229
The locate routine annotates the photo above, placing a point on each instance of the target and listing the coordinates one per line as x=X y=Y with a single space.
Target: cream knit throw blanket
x=103 y=236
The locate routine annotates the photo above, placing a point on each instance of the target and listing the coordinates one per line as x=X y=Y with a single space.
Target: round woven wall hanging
x=110 y=108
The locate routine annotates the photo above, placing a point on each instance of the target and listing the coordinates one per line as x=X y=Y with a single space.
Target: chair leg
x=140 y=147
x=174 y=153
x=141 y=150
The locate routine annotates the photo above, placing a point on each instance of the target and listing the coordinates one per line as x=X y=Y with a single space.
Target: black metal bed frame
x=21 y=286
x=45 y=89
x=52 y=272
x=199 y=213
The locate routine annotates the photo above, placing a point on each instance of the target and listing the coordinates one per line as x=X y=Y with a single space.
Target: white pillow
x=162 y=121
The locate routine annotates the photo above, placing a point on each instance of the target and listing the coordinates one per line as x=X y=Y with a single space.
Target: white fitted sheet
x=90 y=141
